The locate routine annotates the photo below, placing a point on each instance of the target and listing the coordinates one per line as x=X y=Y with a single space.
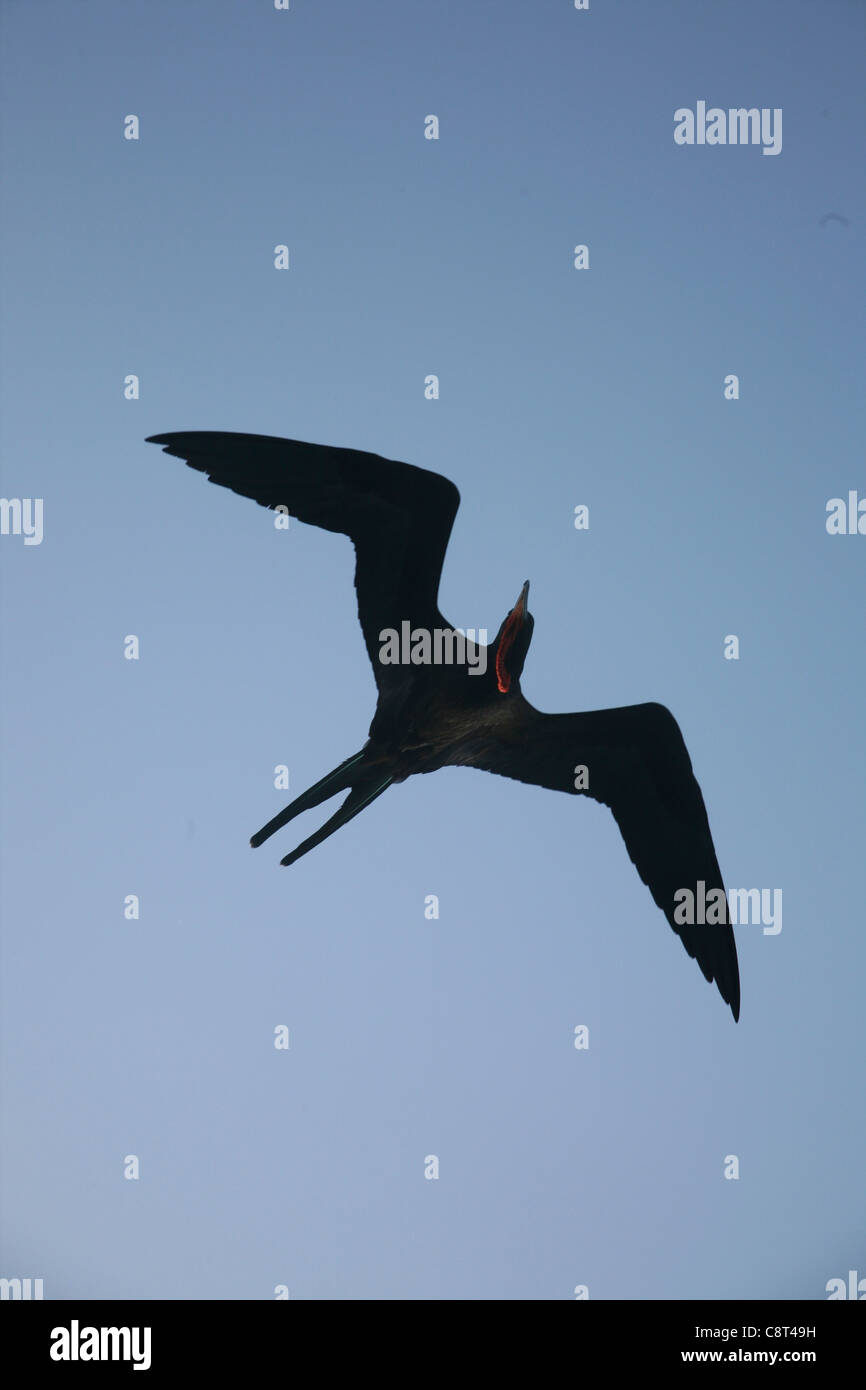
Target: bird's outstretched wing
x=637 y=764
x=398 y=516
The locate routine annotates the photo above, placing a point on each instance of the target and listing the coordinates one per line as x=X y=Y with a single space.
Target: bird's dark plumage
x=399 y=517
x=637 y=764
x=428 y=716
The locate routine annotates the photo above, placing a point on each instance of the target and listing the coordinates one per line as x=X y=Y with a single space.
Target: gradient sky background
x=605 y=387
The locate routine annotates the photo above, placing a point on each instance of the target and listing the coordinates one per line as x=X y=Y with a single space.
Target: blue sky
x=410 y=1037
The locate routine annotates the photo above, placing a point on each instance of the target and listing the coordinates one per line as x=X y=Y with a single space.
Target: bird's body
x=467 y=709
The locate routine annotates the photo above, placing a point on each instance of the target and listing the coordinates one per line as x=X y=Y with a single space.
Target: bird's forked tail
x=366 y=785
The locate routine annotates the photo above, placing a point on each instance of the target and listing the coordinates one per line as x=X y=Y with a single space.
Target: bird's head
x=512 y=644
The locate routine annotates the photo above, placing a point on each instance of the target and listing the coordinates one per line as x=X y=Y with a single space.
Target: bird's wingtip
x=731 y=996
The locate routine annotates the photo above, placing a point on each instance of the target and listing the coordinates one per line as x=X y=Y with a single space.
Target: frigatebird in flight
x=468 y=709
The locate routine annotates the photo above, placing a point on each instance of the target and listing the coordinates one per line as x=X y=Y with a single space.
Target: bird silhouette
x=833 y=217
x=466 y=708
